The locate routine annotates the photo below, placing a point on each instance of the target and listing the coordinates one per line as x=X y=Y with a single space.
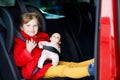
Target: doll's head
x=30 y=23
x=55 y=38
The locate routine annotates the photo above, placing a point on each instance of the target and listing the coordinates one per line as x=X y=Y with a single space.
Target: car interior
x=77 y=28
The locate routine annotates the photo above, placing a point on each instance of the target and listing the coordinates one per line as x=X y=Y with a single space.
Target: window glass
x=7 y=2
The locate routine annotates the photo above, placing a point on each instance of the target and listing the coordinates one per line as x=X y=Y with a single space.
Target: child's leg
x=66 y=71
x=76 y=64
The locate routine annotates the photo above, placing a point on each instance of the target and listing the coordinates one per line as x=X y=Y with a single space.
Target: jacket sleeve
x=43 y=36
x=21 y=55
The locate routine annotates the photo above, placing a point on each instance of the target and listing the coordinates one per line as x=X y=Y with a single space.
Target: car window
x=7 y=2
x=53 y=9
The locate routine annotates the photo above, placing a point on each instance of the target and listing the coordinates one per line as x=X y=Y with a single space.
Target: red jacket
x=28 y=61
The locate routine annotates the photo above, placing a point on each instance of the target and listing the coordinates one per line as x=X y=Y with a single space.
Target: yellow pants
x=69 y=69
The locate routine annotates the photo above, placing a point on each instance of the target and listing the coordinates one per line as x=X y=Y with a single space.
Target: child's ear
x=50 y=38
x=59 y=42
x=21 y=28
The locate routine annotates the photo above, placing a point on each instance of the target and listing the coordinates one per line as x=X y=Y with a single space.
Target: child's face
x=30 y=28
x=55 y=38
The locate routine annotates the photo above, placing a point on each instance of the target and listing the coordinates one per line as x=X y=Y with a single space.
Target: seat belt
x=17 y=33
x=22 y=6
x=52 y=49
x=23 y=10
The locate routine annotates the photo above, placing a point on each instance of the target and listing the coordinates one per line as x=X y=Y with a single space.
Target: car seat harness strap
x=50 y=48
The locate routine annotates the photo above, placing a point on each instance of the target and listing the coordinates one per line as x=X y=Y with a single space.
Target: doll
x=51 y=50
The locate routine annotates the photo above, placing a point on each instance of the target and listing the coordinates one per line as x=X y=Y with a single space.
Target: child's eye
x=53 y=36
x=35 y=25
x=27 y=25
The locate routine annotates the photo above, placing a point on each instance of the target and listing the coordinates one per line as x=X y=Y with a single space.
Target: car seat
x=81 y=17
x=70 y=49
x=8 y=70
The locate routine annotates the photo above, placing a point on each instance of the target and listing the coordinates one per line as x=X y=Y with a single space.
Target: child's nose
x=32 y=27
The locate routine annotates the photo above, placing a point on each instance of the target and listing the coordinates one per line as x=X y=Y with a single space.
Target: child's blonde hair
x=26 y=17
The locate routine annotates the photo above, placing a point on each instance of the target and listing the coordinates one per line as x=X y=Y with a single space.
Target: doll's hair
x=26 y=17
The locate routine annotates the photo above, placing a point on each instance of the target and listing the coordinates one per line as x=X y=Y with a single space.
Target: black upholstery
x=81 y=17
x=86 y=36
x=8 y=70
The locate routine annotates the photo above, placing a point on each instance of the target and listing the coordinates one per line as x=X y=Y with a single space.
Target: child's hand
x=40 y=45
x=30 y=45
